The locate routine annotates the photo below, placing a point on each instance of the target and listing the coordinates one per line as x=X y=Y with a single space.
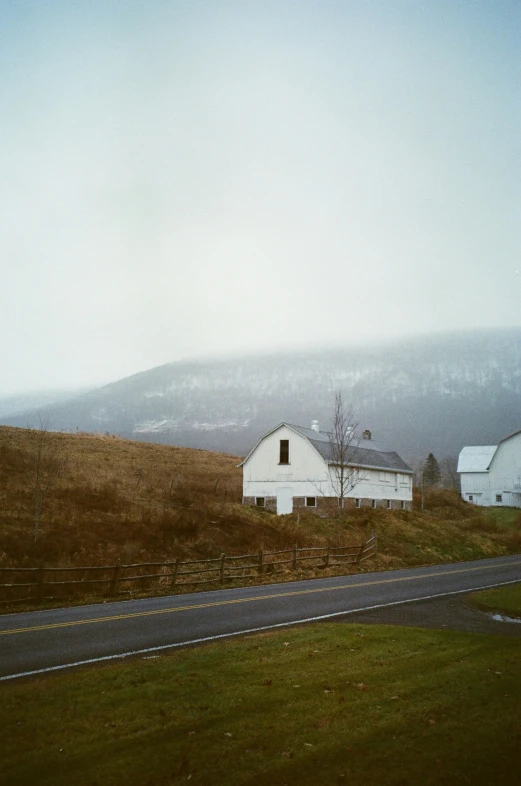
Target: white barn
x=291 y=467
x=491 y=474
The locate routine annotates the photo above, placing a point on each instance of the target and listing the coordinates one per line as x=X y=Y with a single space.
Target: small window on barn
x=471 y=497
x=389 y=504
x=284 y=451
x=402 y=505
x=311 y=502
x=357 y=502
x=260 y=502
x=499 y=498
x=373 y=503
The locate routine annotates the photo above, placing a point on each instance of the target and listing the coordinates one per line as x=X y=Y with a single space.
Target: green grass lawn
x=506 y=600
x=318 y=704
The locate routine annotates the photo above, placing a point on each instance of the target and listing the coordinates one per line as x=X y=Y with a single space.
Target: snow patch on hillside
x=168 y=424
x=156 y=426
x=214 y=426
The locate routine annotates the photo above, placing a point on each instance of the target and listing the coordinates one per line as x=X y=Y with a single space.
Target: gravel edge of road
x=448 y=612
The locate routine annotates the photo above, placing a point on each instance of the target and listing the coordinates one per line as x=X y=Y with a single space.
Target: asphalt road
x=36 y=642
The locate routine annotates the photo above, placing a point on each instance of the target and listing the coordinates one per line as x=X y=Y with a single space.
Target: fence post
x=221 y=569
x=360 y=553
x=114 y=581
x=174 y=574
x=261 y=562
x=326 y=562
x=39 y=588
x=295 y=557
x=375 y=552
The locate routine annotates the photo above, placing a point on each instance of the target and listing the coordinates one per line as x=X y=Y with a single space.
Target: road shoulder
x=452 y=612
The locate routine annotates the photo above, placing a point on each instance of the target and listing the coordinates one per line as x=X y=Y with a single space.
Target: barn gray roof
x=361 y=453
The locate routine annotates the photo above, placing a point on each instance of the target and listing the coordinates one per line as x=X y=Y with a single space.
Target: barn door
x=284 y=501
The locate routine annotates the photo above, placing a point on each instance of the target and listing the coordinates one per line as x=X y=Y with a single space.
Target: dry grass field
x=105 y=499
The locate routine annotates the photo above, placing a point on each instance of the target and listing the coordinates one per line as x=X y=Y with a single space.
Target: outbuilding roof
x=476 y=458
x=361 y=453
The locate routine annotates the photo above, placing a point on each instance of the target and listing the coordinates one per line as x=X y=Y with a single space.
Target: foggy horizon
x=291 y=351
x=203 y=181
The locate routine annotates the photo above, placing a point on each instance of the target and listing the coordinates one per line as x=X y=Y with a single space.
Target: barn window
x=389 y=504
x=373 y=503
x=284 y=451
x=260 y=502
x=402 y=505
x=471 y=497
x=311 y=502
x=499 y=498
x=357 y=502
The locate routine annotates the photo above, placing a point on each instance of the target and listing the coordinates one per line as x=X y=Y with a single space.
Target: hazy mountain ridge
x=435 y=393
x=14 y=405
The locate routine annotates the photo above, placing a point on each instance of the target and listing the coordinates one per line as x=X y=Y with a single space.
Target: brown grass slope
x=106 y=499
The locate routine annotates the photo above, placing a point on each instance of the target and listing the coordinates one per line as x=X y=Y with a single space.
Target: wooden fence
x=112 y=580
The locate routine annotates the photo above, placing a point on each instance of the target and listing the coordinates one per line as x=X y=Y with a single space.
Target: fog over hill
x=435 y=393
x=15 y=405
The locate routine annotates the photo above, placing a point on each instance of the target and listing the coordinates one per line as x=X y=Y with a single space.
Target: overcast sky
x=199 y=177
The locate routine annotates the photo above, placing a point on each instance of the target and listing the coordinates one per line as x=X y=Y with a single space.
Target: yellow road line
x=173 y=609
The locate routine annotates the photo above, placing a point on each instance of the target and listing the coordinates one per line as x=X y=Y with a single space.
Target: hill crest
x=434 y=393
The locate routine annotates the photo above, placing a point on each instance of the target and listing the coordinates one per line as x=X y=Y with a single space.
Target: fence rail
x=43 y=580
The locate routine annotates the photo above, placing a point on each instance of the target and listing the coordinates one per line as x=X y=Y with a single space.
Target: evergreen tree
x=431 y=471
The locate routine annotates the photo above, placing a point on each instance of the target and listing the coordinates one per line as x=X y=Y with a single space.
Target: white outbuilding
x=491 y=474
x=293 y=467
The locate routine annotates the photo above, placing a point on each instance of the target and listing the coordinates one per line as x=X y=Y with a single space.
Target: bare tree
x=342 y=449
x=46 y=464
x=449 y=473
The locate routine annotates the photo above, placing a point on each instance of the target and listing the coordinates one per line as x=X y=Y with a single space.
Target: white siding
x=475 y=487
x=505 y=472
x=308 y=475
x=501 y=485
x=377 y=484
